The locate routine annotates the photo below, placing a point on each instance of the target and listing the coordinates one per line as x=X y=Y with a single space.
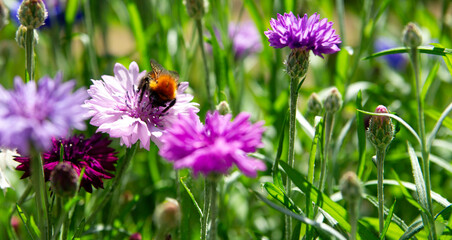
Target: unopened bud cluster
x=64 y=180
x=297 y=63
x=21 y=36
x=195 y=8
x=4 y=15
x=223 y=108
x=412 y=36
x=32 y=13
x=381 y=129
x=350 y=187
x=315 y=106
x=333 y=101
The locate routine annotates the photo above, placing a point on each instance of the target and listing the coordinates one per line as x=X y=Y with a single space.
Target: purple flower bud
x=381 y=129
x=63 y=179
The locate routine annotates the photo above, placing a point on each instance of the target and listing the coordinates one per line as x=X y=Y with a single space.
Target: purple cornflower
x=245 y=38
x=396 y=61
x=31 y=114
x=214 y=147
x=93 y=154
x=117 y=110
x=305 y=33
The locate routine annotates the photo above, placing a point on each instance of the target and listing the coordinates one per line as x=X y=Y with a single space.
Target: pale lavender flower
x=305 y=33
x=245 y=38
x=116 y=108
x=214 y=147
x=31 y=114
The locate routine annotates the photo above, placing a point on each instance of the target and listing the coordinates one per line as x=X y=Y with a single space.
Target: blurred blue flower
x=55 y=8
x=31 y=114
x=395 y=61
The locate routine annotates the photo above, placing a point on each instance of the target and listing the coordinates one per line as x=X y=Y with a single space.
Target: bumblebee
x=161 y=86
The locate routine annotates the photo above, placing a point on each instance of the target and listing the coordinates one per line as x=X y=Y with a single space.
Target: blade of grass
x=431 y=76
x=437 y=126
x=281 y=197
x=33 y=231
x=192 y=197
x=417 y=226
x=321 y=227
x=361 y=131
x=396 y=219
x=388 y=221
x=277 y=179
x=418 y=179
x=405 y=192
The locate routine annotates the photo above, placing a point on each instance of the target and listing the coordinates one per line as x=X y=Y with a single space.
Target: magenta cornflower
x=306 y=33
x=214 y=147
x=116 y=108
x=93 y=154
x=31 y=114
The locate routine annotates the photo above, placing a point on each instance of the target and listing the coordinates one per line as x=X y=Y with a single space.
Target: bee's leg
x=170 y=104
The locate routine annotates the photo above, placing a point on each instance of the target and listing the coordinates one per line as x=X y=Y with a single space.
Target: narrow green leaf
x=418 y=178
x=335 y=210
x=79 y=230
x=438 y=124
x=305 y=125
x=277 y=179
x=71 y=11
x=138 y=31
x=313 y=151
x=322 y=228
x=424 y=49
x=412 y=230
x=281 y=197
x=399 y=119
x=30 y=230
x=438 y=161
x=431 y=76
x=387 y=221
x=361 y=136
x=192 y=197
x=396 y=219
x=405 y=192
x=447 y=58
x=297 y=231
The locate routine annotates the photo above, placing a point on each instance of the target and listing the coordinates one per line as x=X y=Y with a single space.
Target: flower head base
x=64 y=180
x=21 y=36
x=381 y=129
x=297 y=63
x=32 y=114
x=305 y=33
x=32 y=13
x=93 y=154
x=116 y=108
x=214 y=147
x=195 y=8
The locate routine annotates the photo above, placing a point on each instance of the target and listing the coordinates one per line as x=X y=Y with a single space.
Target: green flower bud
x=381 y=129
x=297 y=63
x=167 y=215
x=350 y=187
x=4 y=15
x=412 y=36
x=21 y=36
x=195 y=8
x=223 y=108
x=333 y=101
x=32 y=13
x=63 y=179
x=315 y=106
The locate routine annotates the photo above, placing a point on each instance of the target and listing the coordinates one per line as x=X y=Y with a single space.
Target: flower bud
x=333 y=101
x=167 y=215
x=195 y=8
x=412 y=36
x=381 y=129
x=63 y=179
x=4 y=15
x=350 y=187
x=32 y=13
x=297 y=63
x=21 y=36
x=315 y=106
x=223 y=108
x=135 y=236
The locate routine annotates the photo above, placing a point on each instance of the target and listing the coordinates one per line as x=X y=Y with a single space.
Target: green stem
x=19 y=202
x=130 y=152
x=381 y=152
x=90 y=32
x=353 y=212
x=29 y=50
x=291 y=154
x=204 y=60
x=37 y=177
x=425 y=153
x=213 y=209
x=205 y=209
x=329 y=120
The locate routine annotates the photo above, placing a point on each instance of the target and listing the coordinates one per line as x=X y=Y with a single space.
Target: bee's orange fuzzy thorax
x=165 y=86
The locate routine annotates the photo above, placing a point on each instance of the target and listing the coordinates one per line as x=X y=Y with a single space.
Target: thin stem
x=380 y=168
x=130 y=152
x=90 y=31
x=29 y=50
x=213 y=209
x=204 y=59
x=37 y=176
x=353 y=211
x=329 y=120
x=291 y=155
x=425 y=153
x=205 y=209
